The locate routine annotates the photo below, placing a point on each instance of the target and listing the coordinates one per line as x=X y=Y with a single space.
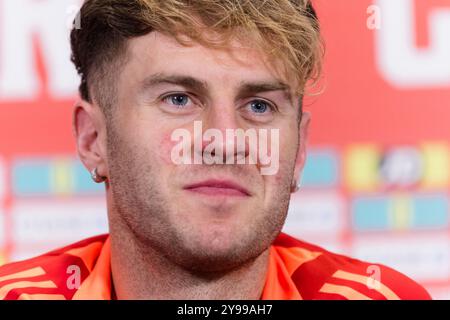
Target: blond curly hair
x=287 y=30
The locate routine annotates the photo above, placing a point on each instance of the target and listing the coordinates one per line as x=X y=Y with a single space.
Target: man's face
x=192 y=213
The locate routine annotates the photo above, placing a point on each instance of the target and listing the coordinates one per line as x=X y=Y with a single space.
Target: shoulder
x=46 y=276
x=320 y=274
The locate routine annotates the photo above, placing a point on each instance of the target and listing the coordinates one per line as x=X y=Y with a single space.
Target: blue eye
x=259 y=106
x=179 y=100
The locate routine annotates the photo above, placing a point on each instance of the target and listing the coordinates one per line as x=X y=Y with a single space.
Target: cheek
x=284 y=172
x=164 y=148
x=280 y=178
x=288 y=156
x=288 y=146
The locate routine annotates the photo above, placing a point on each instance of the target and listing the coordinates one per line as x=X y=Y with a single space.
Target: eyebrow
x=191 y=83
x=183 y=81
x=249 y=88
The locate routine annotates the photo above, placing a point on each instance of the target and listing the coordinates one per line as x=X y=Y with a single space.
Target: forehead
x=156 y=52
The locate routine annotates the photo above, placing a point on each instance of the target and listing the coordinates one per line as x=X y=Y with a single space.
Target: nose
x=223 y=139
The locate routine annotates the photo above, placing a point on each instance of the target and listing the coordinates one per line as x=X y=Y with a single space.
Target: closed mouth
x=218 y=187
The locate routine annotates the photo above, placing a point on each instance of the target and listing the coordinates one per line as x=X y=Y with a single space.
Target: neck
x=143 y=273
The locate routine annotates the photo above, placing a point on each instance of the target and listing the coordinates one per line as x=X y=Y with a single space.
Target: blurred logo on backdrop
x=412 y=44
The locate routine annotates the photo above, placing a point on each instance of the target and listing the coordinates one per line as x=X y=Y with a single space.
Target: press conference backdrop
x=377 y=179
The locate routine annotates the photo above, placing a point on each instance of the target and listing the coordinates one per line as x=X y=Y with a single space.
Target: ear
x=89 y=130
x=301 y=154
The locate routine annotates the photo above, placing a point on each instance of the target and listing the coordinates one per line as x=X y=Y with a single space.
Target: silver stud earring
x=96 y=177
x=295 y=186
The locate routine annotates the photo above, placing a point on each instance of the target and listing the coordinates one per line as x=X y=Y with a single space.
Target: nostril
x=209 y=153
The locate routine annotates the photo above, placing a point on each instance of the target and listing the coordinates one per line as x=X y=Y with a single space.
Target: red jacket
x=297 y=270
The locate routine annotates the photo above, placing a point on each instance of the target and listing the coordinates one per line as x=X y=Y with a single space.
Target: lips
x=218 y=187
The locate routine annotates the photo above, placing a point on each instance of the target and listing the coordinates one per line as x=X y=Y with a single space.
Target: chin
x=217 y=260
x=216 y=251
x=218 y=207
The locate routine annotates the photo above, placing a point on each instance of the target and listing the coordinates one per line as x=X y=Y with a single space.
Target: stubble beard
x=146 y=213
